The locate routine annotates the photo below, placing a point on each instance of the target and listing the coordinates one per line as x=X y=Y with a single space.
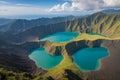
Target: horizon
x=29 y=17
x=59 y=39
x=53 y=8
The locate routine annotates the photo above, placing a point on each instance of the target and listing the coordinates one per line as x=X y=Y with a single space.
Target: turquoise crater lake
x=61 y=36
x=44 y=60
x=88 y=59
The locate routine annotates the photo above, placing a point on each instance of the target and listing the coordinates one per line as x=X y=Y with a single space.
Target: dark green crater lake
x=61 y=36
x=88 y=59
x=44 y=60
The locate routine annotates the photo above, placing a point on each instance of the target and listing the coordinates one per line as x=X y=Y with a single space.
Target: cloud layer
x=82 y=5
x=21 y=10
x=8 y=8
x=68 y=7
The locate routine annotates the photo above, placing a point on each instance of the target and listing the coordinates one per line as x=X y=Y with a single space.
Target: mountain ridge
x=23 y=24
x=99 y=23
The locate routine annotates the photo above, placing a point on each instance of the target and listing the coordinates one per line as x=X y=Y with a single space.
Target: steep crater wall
x=110 y=66
x=71 y=47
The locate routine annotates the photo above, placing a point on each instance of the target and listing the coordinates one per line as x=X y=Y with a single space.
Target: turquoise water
x=92 y=33
x=88 y=59
x=44 y=60
x=61 y=36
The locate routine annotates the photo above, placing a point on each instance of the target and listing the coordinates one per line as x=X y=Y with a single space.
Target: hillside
x=96 y=30
x=19 y=25
x=106 y=24
x=4 y=21
x=99 y=23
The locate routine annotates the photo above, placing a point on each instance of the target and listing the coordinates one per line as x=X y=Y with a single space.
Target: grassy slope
x=107 y=25
x=67 y=62
x=85 y=36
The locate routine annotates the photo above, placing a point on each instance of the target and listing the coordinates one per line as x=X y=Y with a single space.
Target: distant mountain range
x=4 y=21
x=22 y=30
x=17 y=25
x=106 y=24
x=115 y=11
x=19 y=36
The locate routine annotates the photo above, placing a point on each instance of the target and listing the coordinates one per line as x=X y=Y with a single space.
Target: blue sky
x=54 y=7
x=43 y=3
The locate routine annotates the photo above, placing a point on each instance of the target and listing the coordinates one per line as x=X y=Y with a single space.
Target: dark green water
x=44 y=60
x=88 y=59
x=61 y=36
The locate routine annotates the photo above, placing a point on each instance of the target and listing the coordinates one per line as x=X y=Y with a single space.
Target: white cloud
x=19 y=4
x=8 y=8
x=68 y=7
x=112 y=3
x=58 y=7
x=21 y=10
x=76 y=5
x=84 y=5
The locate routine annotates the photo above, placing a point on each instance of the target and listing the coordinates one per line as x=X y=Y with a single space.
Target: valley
x=94 y=31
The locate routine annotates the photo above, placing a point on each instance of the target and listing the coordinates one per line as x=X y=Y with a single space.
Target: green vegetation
x=85 y=36
x=82 y=36
x=67 y=63
x=10 y=75
x=59 y=70
x=107 y=25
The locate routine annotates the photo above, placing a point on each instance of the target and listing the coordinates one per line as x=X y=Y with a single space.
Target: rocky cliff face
x=75 y=46
x=71 y=47
x=110 y=66
x=52 y=49
x=107 y=25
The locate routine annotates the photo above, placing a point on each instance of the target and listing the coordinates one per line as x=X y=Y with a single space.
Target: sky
x=54 y=7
